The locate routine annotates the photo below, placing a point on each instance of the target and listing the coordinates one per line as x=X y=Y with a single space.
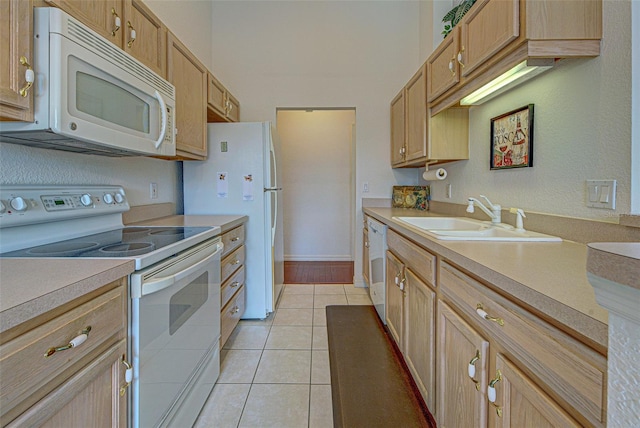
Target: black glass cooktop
x=125 y=242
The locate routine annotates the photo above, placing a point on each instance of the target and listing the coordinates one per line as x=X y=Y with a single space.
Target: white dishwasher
x=377 y=265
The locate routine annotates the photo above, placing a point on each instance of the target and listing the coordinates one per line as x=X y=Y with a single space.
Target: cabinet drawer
x=231 y=263
x=232 y=239
x=568 y=370
x=419 y=260
x=230 y=315
x=230 y=286
x=27 y=374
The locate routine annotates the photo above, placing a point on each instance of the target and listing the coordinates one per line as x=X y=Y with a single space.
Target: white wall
x=323 y=54
x=316 y=177
x=190 y=21
x=635 y=108
x=582 y=131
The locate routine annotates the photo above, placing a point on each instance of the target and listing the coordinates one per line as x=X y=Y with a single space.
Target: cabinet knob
x=452 y=66
x=234 y=284
x=132 y=34
x=472 y=369
x=29 y=77
x=73 y=343
x=235 y=239
x=483 y=314
x=491 y=392
x=460 y=57
x=128 y=375
x=116 y=22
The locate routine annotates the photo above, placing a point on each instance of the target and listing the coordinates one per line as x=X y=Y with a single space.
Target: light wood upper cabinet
x=397 y=129
x=485 y=30
x=145 y=36
x=105 y=16
x=416 y=117
x=496 y=35
x=222 y=106
x=189 y=77
x=443 y=68
x=16 y=96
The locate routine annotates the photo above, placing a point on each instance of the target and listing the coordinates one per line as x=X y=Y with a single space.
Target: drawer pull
x=234 y=310
x=234 y=284
x=235 y=239
x=235 y=262
x=76 y=341
x=491 y=392
x=29 y=77
x=472 y=369
x=128 y=376
x=480 y=310
x=116 y=22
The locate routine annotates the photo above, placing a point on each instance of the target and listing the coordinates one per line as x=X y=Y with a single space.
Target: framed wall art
x=512 y=139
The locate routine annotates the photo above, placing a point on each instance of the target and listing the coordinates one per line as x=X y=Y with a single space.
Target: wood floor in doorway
x=318 y=272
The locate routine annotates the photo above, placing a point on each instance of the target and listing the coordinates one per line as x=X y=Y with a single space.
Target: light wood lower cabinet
x=79 y=386
x=411 y=309
x=394 y=299
x=232 y=291
x=480 y=359
x=461 y=399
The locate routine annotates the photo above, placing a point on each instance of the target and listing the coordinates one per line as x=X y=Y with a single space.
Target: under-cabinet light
x=517 y=75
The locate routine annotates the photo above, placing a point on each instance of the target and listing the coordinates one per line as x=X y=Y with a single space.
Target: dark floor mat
x=370 y=385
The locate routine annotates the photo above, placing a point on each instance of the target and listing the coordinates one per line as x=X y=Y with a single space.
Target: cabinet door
x=394 y=297
x=521 y=403
x=104 y=17
x=145 y=36
x=416 y=116
x=420 y=334
x=16 y=17
x=489 y=26
x=397 y=129
x=216 y=95
x=233 y=108
x=189 y=77
x=91 y=397
x=365 y=255
x=443 y=69
x=461 y=400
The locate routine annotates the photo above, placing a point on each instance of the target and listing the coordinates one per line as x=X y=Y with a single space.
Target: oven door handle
x=160 y=283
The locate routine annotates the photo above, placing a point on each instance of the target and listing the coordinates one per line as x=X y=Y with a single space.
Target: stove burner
x=62 y=248
x=128 y=249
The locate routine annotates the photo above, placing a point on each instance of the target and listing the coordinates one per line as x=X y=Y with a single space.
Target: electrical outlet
x=153 y=190
x=448 y=191
x=365 y=187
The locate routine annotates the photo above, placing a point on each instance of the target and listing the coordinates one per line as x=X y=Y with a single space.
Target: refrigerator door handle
x=272 y=189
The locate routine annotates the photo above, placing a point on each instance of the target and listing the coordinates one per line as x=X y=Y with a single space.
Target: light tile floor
x=275 y=372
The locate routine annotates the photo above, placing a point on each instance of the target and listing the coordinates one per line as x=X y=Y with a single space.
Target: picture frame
x=512 y=139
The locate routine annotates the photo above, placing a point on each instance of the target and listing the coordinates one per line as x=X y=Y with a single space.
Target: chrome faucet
x=495 y=213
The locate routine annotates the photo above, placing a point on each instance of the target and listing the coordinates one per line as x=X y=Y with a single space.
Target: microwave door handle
x=160 y=283
x=163 y=112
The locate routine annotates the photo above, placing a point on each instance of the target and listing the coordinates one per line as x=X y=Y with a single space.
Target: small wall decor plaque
x=512 y=139
x=411 y=197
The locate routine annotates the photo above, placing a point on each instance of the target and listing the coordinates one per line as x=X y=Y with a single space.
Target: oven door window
x=186 y=302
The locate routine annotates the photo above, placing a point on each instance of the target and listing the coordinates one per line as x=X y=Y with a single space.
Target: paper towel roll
x=435 y=174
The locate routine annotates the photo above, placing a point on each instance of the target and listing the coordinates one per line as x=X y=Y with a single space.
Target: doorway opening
x=318 y=173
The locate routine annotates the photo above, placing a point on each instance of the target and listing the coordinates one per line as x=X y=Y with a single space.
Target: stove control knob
x=85 y=200
x=108 y=198
x=19 y=204
x=119 y=198
x=3 y=207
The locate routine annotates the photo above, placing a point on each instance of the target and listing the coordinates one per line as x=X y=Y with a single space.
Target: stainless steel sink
x=466 y=229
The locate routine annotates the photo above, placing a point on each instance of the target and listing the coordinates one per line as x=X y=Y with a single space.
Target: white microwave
x=92 y=97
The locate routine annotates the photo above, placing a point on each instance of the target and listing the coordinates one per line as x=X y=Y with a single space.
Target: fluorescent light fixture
x=512 y=78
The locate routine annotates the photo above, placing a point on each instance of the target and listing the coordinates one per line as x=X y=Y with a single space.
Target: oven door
x=174 y=334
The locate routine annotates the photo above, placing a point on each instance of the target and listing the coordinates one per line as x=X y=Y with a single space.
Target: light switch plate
x=601 y=194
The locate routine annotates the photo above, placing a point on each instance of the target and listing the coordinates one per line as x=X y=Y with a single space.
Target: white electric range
x=174 y=307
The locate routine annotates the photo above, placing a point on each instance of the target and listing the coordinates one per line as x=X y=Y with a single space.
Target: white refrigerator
x=241 y=177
